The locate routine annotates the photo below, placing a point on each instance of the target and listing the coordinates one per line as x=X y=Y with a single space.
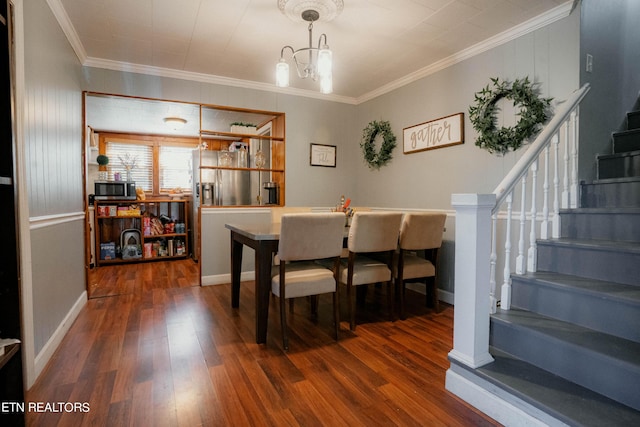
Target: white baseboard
x=420 y=288
x=445 y=296
x=52 y=344
x=222 y=279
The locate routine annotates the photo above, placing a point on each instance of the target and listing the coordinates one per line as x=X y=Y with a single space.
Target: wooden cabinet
x=135 y=231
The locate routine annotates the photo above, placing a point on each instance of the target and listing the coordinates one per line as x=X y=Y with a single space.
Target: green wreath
x=533 y=112
x=373 y=129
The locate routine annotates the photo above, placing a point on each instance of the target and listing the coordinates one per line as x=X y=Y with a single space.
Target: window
x=175 y=167
x=158 y=165
x=139 y=157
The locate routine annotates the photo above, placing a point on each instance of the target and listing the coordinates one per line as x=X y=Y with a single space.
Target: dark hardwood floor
x=169 y=355
x=121 y=279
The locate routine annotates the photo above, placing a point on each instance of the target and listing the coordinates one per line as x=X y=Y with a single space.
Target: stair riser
x=633 y=120
x=623 y=227
x=619 y=167
x=626 y=141
x=591 y=311
x=592 y=263
x=609 y=377
x=611 y=195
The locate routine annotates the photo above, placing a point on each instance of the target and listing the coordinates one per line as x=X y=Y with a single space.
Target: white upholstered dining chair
x=370 y=233
x=305 y=238
x=420 y=239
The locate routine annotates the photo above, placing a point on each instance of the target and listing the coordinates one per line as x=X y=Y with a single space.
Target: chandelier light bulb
x=324 y=61
x=326 y=84
x=282 y=73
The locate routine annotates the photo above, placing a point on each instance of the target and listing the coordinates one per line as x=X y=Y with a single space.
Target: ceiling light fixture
x=311 y=62
x=175 y=123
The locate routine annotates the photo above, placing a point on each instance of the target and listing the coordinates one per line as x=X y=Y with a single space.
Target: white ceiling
x=377 y=44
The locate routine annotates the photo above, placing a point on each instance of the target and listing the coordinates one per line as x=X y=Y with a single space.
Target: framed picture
x=438 y=133
x=323 y=155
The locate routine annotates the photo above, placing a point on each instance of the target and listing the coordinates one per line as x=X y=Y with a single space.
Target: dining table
x=263 y=238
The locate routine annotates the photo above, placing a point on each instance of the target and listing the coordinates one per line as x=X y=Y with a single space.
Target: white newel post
x=472 y=278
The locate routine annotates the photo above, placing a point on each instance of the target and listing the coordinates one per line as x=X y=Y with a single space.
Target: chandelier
x=311 y=62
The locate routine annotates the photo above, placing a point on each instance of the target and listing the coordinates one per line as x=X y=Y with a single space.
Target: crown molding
x=209 y=78
x=67 y=28
x=553 y=15
x=529 y=26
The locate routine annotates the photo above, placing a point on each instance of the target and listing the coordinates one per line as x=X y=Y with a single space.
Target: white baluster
x=532 y=254
x=573 y=202
x=505 y=292
x=565 y=179
x=555 y=225
x=521 y=266
x=492 y=269
x=544 y=227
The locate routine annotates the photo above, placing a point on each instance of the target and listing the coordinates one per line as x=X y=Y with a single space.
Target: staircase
x=570 y=345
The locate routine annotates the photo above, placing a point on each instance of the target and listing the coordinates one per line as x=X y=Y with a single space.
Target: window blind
x=142 y=172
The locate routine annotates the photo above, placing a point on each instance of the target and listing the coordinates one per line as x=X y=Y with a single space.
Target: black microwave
x=115 y=190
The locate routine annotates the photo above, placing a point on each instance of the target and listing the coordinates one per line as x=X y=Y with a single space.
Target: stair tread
x=606 y=290
x=606 y=345
x=630 y=211
x=627 y=132
x=566 y=401
x=621 y=180
x=619 y=155
x=609 y=245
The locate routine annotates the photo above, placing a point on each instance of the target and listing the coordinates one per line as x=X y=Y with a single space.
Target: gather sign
x=437 y=133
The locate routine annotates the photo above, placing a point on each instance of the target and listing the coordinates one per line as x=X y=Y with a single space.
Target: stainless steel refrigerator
x=216 y=187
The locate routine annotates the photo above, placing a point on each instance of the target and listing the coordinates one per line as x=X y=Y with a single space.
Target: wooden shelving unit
x=156 y=240
x=275 y=139
x=242 y=169
x=238 y=136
